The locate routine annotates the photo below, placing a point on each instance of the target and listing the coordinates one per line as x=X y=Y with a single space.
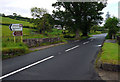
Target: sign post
x=17 y=30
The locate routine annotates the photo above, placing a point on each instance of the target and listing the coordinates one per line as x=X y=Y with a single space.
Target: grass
x=8 y=45
x=6 y=31
x=94 y=33
x=6 y=20
x=110 y=53
x=27 y=34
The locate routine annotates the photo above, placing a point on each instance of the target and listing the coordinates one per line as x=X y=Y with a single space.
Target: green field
x=7 y=35
x=6 y=20
x=18 y=48
x=110 y=53
x=6 y=31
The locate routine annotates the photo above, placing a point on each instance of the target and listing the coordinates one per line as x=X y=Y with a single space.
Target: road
x=72 y=61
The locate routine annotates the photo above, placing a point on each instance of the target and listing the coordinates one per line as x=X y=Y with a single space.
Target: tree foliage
x=95 y=28
x=38 y=12
x=41 y=19
x=79 y=16
x=111 y=24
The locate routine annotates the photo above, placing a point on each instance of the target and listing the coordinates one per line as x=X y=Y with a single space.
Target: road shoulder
x=107 y=71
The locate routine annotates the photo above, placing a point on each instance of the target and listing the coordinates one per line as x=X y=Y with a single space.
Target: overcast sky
x=23 y=7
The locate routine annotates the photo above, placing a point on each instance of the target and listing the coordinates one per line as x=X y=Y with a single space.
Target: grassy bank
x=110 y=53
x=6 y=20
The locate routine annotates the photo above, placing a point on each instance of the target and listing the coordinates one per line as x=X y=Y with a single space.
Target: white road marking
x=86 y=42
x=71 y=48
x=76 y=41
x=99 y=45
x=26 y=67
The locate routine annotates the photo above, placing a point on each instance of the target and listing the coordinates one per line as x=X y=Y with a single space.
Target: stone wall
x=38 y=41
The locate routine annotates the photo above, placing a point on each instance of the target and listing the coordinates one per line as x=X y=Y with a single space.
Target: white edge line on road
x=71 y=48
x=86 y=42
x=4 y=76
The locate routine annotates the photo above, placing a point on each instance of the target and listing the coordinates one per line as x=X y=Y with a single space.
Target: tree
x=111 y=24
x=14 y=14
x=94 y=28
x=3 y=15
x=41 y=19
x=79 y=16
x=45 y=24
x=38 y=12
x=90 y=17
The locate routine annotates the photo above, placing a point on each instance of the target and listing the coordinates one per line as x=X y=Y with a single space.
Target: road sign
x=16 y=27
x=17 y=33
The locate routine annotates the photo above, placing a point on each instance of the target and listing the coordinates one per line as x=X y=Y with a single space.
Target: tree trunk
x=84 y=34
x=77 y=34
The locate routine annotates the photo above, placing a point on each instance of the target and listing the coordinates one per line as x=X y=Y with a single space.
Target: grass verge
x=110 y=53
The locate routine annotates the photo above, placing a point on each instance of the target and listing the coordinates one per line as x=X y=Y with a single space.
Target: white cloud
x=113 y=1
x=23 y=6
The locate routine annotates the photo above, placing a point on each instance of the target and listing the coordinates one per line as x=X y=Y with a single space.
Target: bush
x=68 y=36
x=9 y=52
x=107 y=37
x=12 y=44
x=13 y=51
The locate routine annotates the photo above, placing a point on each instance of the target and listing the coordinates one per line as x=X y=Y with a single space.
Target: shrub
x=11 y=52
x=107 y=37
x=68 y=36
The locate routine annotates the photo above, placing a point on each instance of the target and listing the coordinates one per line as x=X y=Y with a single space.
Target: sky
x=22 y=7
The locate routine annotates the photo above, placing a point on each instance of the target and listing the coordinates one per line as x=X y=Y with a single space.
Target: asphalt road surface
x=72 y=61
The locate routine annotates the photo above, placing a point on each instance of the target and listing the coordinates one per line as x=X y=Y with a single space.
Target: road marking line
x=99 y=45
x=9 y=74
x=86 y=42
x=71 y=48
x=76 y=41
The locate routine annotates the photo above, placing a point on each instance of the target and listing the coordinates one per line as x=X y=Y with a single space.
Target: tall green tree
x=95 y=28
x=111 y=24
x=41 y=19
x=38 y=12
x=79 y=16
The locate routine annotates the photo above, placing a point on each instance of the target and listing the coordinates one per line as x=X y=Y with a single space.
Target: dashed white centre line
x=99 y=45
x=71 y=48
x=86 y=42
x=76 y=41
x=26 y=67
